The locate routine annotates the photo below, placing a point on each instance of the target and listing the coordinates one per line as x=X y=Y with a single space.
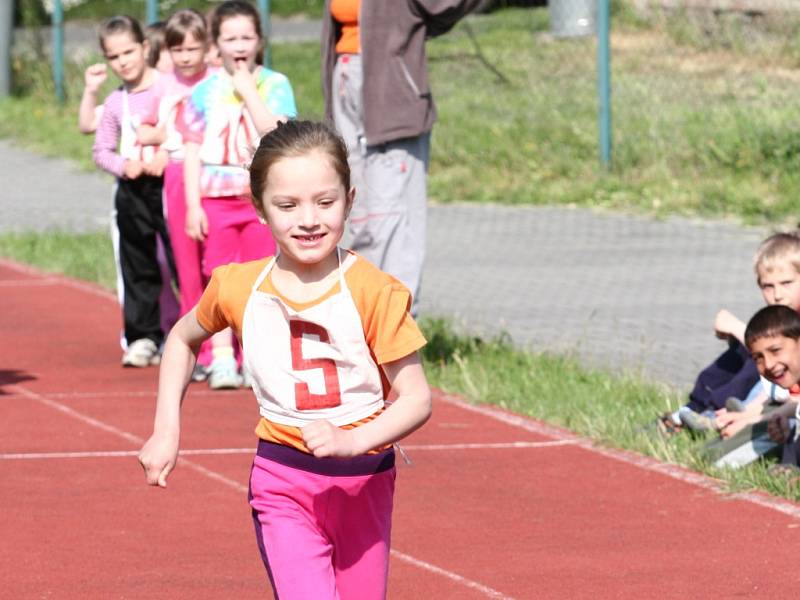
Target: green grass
x=83 y=256
x=700 y=127
x=555 y=388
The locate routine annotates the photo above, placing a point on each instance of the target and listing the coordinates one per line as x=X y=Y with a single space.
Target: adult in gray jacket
x=375 y=83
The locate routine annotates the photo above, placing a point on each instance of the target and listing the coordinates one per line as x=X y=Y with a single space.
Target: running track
x=494 y=505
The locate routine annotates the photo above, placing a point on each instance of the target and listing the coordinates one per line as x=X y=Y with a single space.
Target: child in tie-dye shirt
x=223 y=121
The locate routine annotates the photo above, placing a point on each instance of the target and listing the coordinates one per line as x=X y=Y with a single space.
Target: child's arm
x=106 y=140
x=150 y=135
x=150 y=132
x=730 y=423
x=727 y=325
x=244 y=82
x=160 y=453
x=93 y=79
x=196 y=220
x=407 y=413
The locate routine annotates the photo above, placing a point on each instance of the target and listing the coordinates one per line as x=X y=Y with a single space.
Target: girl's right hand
x=244 y=80
x=94 y=76
x=158 y=457
x=132 y=169
x=196 y=223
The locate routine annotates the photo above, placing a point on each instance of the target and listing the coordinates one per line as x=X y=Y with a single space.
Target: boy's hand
x=156 y=166
x=158 y=457
x=94 y=76
x=323 y=438
x=725 y=324
x=731 y=423
x=132 y=169
x=196 y=223
x=778 y=428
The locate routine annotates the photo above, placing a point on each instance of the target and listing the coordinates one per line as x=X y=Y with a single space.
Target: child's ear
x=351 y=196
x=146 y=46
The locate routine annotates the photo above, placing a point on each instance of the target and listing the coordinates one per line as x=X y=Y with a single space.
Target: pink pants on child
x=234 y=233
x=186 y=251
x=323 y=525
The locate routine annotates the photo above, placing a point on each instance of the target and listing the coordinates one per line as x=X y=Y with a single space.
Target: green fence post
x=58 y=50
x=6 y=34
x=263 y=9
x=604 y=81
x=152 y=11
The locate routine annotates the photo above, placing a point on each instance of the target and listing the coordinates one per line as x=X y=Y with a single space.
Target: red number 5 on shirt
x=304 y=399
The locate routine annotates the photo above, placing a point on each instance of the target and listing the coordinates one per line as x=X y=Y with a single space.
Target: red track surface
x=553 y=520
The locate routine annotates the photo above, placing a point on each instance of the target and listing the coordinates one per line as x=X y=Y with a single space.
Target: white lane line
x=485 y=589
x=228 y=451
x=78 y=415
x=135 y=439
x=119 y=453
x=489 y=592
x=643 y=462
x=127 y=394
x=29 y=282
x=488 y=445
x=92 y=289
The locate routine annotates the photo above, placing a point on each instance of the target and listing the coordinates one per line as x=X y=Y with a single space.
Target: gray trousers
x=387 y=223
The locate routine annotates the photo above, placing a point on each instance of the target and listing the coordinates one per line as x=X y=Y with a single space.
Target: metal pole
x=263 y=9
x=6 y=33
x=152 y=11
x=58 y=50
x=604 y=81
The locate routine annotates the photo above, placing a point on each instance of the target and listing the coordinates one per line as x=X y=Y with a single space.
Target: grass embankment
x=608 y=408
x=702 y=124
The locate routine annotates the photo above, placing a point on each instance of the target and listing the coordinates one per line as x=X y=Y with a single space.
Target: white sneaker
x=141 y=353
x=223 y=374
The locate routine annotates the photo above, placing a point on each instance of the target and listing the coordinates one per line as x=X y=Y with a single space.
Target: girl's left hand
x=323 y=438
x=156 y=167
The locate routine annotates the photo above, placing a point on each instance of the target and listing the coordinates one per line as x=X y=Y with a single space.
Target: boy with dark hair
x=773 y=338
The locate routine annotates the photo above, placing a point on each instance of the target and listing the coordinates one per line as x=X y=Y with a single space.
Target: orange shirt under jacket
x=345 y=13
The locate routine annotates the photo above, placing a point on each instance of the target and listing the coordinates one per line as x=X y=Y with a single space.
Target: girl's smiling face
x=126 y=57
x=238 y=43
x=306 y=206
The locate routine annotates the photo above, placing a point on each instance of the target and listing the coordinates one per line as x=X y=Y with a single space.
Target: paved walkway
x=625 y=292
x=80 y=38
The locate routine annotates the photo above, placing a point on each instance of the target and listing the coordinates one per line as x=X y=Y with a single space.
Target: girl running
x=223 y=120
x=326 y=335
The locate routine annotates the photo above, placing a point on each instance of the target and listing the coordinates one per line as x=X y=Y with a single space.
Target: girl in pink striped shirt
x=137 y=200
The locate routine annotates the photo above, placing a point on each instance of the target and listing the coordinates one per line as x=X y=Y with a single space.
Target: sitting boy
x=729 y=395
x=773 y=338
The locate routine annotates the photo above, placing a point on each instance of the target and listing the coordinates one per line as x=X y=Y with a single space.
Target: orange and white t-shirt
x=381 y=301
